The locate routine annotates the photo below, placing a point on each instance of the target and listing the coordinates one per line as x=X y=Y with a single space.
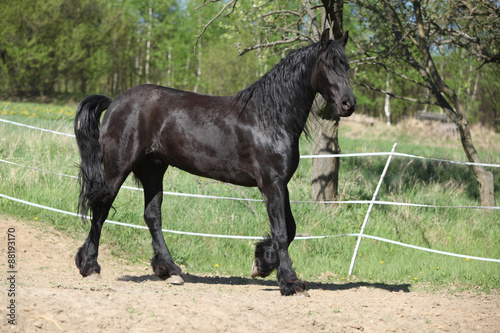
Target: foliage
x=461 y=36
x=68 y=48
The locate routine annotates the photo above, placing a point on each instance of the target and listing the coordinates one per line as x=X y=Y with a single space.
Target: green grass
x=465 y=231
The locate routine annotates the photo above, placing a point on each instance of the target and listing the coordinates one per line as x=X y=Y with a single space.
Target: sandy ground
x=50 y=296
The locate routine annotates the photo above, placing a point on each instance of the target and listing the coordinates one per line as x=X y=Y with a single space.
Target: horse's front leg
x=272 y=252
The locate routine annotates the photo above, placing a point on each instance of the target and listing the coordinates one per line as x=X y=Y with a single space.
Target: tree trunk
x=484 y=177
x=169 y=67
x=325 y=171
x=148 y=43
x=387 y=105
x=454 y=109
x=198 y=56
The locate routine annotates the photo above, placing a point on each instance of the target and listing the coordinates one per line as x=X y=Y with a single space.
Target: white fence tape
x=303 y=156
x=253 y=237
x=37 y=169
x=401 y=155
x=36 y=128
x=203 y=196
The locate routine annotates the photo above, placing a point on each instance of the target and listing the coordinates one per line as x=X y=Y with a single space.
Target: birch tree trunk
x=148 y=42
x=387 y=104
x=198 y=61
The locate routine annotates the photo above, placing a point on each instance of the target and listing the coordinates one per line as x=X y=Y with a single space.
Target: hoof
x=94 y=276
x=302 y=294
x=255 y=271
x=175 y=280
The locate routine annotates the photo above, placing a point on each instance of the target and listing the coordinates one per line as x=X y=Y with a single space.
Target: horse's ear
x=325 y=38
x=344 y=38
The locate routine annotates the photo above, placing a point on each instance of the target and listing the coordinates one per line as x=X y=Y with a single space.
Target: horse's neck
x=284 y=96
x=298 y=102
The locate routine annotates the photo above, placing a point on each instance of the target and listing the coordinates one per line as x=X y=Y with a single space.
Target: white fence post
x=374 y=198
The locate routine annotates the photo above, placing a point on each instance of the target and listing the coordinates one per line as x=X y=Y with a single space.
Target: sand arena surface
x=51 y=296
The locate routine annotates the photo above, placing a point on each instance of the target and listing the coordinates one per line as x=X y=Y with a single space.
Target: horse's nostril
x=346 y=105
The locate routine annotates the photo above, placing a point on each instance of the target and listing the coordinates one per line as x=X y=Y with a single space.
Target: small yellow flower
x=381 y=261
x=216 y=265
x=415 y=279
x=467 y=259
x=36 y=218
x=437 y=268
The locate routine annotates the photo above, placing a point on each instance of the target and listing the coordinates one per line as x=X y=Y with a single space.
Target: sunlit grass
x=35 y=110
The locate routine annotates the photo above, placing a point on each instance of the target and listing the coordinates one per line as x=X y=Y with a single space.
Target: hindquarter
x=127 y=130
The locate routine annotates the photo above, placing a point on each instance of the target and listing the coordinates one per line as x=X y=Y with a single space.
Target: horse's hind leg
x=150 y=173
x=86 y=257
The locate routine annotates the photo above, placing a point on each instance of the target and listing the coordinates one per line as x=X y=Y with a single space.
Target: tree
x=407 y=36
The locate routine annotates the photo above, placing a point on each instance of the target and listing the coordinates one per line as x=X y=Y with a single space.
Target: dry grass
x=414 y=131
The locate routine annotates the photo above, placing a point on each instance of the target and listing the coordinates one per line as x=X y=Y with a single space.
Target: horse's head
x=330 y=77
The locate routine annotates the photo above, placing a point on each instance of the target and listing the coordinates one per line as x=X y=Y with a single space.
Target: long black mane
x=283 y=97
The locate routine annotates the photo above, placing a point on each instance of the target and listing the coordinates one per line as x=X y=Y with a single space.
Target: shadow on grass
x=237 y=281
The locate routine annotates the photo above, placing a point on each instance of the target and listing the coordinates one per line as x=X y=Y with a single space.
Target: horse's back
x=146 y=108
x=201 y=134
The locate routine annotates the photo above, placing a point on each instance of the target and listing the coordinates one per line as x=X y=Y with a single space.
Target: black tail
x=94 y=187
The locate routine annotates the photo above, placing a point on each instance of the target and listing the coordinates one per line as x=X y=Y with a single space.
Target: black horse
x=250 y=139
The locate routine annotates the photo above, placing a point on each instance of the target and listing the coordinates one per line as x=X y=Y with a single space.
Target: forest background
x=63 y=50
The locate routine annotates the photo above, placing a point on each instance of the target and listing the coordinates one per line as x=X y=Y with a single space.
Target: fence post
x=374 y=198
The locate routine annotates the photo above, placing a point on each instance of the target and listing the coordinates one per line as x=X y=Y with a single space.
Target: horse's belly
x=208 y=156
x=221 y=170
x=209 y=144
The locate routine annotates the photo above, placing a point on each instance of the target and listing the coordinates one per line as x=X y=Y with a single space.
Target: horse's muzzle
x=347 y=107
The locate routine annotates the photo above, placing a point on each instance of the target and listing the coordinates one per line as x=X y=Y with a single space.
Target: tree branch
x=271 y=44
x=395 y=96
x=407 y=78
x=219 y=14
x=291 y=12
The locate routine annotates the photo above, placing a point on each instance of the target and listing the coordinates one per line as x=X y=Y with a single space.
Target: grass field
x=466 y=231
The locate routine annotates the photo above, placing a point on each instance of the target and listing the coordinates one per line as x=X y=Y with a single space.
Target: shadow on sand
x=273 y=285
